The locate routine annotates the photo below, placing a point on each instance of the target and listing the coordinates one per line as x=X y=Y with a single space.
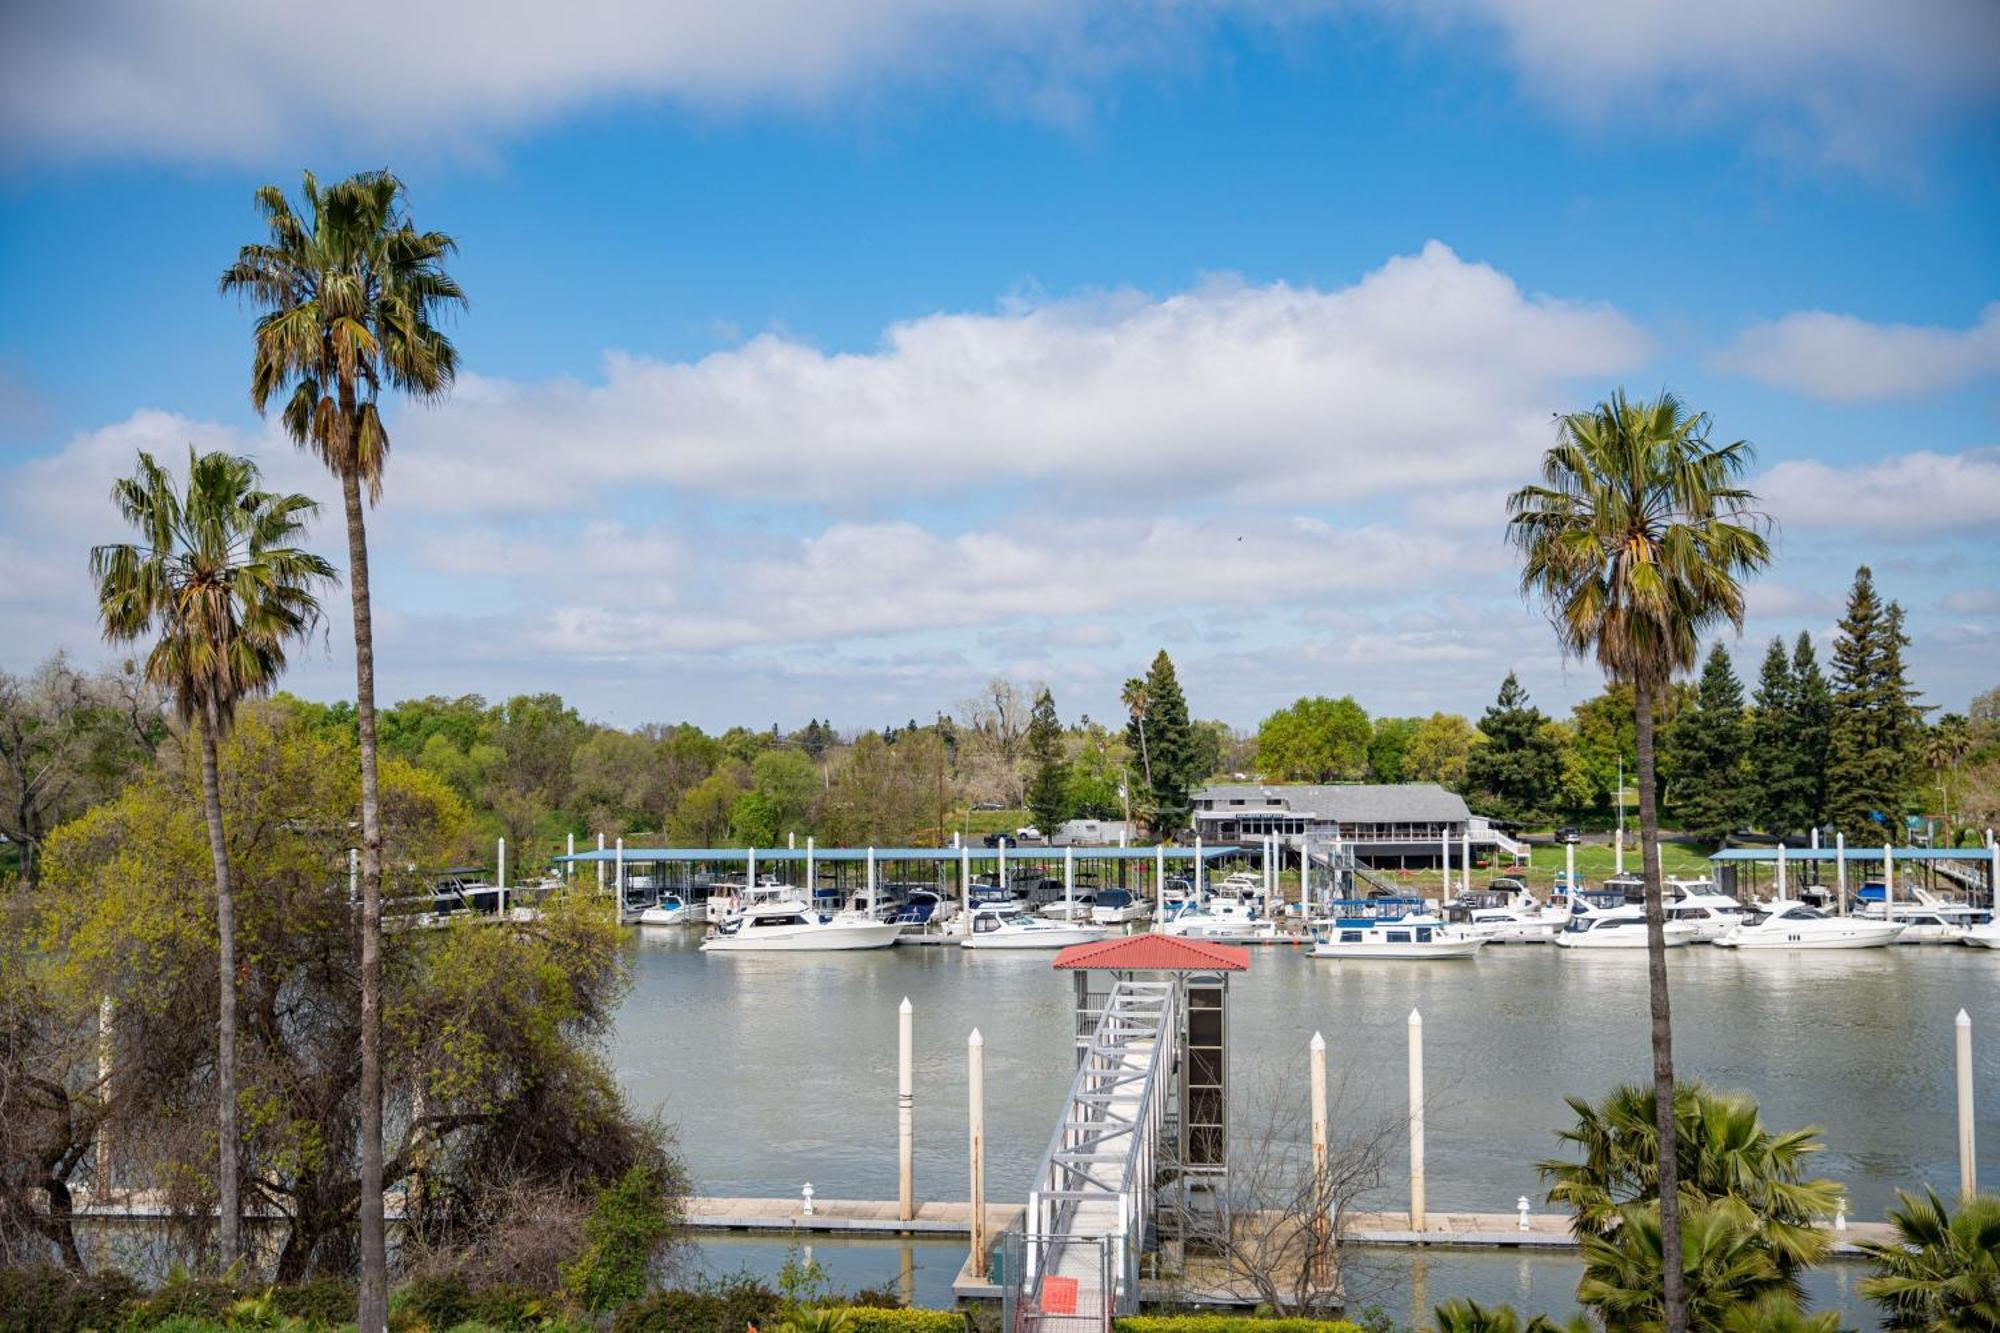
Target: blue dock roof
x=742 y=854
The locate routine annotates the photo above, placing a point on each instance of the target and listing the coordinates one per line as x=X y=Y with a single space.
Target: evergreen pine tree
x=1167 y=740
x=1780 y=798
x=1517 y=773
x=1711 y=744
x=1872 y=720
x=1048 y=785
x=1812 y=703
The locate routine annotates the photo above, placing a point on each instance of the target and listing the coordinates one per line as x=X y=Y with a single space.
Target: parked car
x=988 y=805
x=1568 y=835
x=1002 y=840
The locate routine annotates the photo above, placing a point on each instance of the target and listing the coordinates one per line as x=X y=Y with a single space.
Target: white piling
x=619 y=879
x=965 y=887
x=600 y=870
x=906 y=1111
x=500 y=863
x=1160 y=882
x=1444 y=864
x=1840 y=870
x=749 y=872
x=1305 y=877
x=1968 y=1164
x=871 y=881
x=1319 y=1157
x=1416 y=1121
x=1000 y=863
x=569 y=850
x=975 y=1091
x=1069 y=884
x=791 y=842
x=1888 y=881
x=1569 y=873
x=1196 y=878
x=1465 y=862
x=1781 y=872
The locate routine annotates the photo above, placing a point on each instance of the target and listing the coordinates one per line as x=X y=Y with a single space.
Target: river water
x=778 y=1070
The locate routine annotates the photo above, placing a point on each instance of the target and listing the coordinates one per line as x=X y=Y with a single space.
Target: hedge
x=1228 y=1323
x=873 y=1319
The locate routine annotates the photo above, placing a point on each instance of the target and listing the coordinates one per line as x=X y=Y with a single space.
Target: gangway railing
x=1087 y=1215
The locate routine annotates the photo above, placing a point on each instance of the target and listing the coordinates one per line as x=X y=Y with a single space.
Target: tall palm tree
x=1944 y=748
x=352 y=293
x=219 y=580
x=1636 y=539
x=1942 y=1271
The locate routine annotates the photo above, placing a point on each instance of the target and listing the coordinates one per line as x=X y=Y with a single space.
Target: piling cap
x=1964 y=1019
x=904 y=1007
x=1318 y=1042
x=975 y=1039
x=1416 y=1019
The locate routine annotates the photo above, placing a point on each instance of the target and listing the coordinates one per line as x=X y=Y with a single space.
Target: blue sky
x=828 y=359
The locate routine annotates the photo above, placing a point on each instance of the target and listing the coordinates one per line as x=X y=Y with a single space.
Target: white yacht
x=1119 y=907
x=1793 y=925
x=1983 y=937
x=1069 y=909
x=1705 y=909
x=1201 y=923
x=1617 y=928
x=1411 y=937
x=670 y=910
x=1006 y=926
x=1928 y=918
x=1514 y=925
x=780 y=922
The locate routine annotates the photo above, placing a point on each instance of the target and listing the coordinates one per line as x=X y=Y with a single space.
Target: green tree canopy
x=783 y=787
x=1439 y=749
x=1710 y=743
x=1162 y=735
x=1873 y=725
x=1048 y=780
x=1315 y=740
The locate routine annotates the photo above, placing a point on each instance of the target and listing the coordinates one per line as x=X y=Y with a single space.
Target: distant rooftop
x=1344 y=803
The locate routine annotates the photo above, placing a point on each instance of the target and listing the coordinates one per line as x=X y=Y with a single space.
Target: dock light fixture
x=806 y=1194
x=1522 y=1208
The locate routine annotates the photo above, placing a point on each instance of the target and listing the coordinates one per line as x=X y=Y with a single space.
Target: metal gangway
x=1074 y=1263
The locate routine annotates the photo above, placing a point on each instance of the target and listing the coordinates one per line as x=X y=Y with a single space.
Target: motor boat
x=781 y=922
x=1701 y=906
x=1200 y=923
x=1118 y=907
x=1793 y=925
x=1509 y=925
x=1983 y=937
x=1069 y=909
x=1928 y=918
x=1616 y=928
x=1006 y=926
x=925 y=907
x=670 y=910
x=1418 y=936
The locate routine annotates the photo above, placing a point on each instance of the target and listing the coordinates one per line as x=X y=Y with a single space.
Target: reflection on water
x=778 y=1070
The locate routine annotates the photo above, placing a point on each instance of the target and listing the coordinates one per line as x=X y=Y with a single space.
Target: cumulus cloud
x=1842 y=359
x=1906 y=495
x=1431 y=369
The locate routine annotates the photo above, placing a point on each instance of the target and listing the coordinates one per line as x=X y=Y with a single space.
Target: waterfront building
x=1386 y=825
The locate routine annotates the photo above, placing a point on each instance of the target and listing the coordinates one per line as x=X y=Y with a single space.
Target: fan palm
x=352 y=293
x=219 y=580
x=1724 y=1268
x=1636 y=539
x=1466 y=1316
x=1724 y=1152
x=1942 y=1272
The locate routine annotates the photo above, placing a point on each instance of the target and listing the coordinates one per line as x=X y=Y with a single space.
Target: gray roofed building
x=1385 y=823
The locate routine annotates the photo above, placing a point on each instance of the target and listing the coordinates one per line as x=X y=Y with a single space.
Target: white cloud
x=238 y=79
x=1905 y=495
x=1842 y=359
x=1843 y=80
x=1973 y=601
x=1428 y=371
x=1847 y=82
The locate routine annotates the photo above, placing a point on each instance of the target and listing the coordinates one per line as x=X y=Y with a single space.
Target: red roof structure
x=1153 y=953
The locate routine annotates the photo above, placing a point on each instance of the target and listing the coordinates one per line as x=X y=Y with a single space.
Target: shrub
x=323 y=1300
x=1229 y=1323
x=631 y=1220
x=727 y=1306
x=185 y=1298
x=875 y=1319
x=42 y=1298
x=447 y=1301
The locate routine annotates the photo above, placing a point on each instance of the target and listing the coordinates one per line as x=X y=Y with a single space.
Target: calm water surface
x=780 y=1070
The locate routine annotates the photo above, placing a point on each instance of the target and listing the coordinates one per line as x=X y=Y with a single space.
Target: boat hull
x=1982 y=937
x=839 y=937
x=1627 y=941
x=1852 y=937
x=1371 y=951
x=1057 y=937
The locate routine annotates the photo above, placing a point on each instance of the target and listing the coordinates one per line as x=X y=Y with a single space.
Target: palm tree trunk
x=1663 y=1027
x=374 y=1301
x=226 y=1173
